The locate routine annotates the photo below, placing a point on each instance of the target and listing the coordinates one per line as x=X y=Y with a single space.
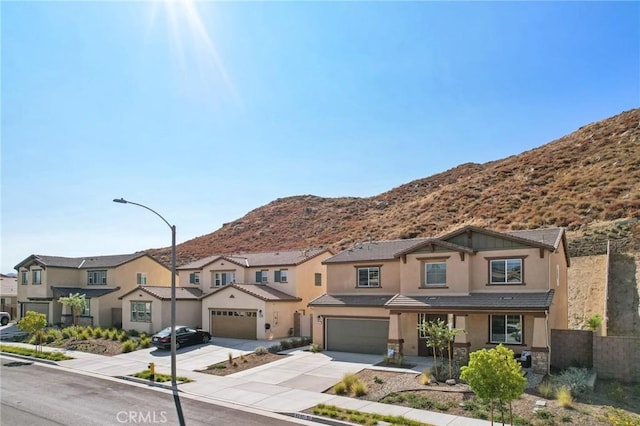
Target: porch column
x=461 y=343
x=540 y=346
x=395 y=340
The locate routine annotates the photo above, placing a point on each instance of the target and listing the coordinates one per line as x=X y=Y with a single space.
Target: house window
x=369 y=276
x=37 y=276
x=142 y=278
x=280 y=276
x=141 y=311
x=262 y=276
x=25 y=277
x=318 y=279
x=223 y=278
x=87 y=307
x=506 y=329
x=194 y=278
x=506 y=271
x=435 y=273
x=96 y=277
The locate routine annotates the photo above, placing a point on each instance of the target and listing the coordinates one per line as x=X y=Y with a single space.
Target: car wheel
x=205 y=339
x=4 y=321
x=178 y=345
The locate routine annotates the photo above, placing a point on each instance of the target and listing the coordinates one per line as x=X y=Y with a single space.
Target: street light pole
x=174 y=384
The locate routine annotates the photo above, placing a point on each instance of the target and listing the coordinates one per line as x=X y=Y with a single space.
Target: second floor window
x=25 y=277
x=37 y=276
x=194 y=278
x=141 y=278
x=280 y=276
x=317 y=279
x=97 y=277
x=223 y=278
x=435 y=273
x=262 y=276
x=369 y=276
x=506 y=271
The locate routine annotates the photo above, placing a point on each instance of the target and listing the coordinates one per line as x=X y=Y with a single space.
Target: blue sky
x=204 y=111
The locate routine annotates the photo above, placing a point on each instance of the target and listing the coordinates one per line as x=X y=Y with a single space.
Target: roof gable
x=89 y=262
x=248 y=260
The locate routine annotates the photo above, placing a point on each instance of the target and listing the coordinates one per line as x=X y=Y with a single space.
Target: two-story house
x=496 y=287
x=42 y=280
x=9 y=294
x=258 y=295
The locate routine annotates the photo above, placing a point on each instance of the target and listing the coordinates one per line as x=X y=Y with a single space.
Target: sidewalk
x=291 y=385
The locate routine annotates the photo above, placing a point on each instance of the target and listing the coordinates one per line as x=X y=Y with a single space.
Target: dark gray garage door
x=365 y=336
x=237 y=323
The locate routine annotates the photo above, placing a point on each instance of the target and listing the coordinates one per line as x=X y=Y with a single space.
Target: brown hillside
x=588 y=177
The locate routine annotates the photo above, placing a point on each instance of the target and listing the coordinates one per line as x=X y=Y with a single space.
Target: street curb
x=30 y=358
x=145 y=382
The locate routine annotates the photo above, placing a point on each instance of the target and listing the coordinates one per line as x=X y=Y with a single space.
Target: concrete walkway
x=290 y=385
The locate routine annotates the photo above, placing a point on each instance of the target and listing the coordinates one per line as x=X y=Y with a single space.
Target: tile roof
x=260 y=291
x=274 y=258
x=494 y=301
x=60 y=291
x=351 y=300
x=549 y=236
x=164 y=292
x=376 y=250
x=88 y=262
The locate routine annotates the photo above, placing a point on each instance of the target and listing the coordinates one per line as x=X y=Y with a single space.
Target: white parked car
x=4 y=318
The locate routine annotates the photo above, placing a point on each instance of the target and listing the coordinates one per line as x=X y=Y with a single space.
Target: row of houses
x=496 y=287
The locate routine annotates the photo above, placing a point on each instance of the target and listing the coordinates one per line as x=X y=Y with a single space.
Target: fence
x=612 y=357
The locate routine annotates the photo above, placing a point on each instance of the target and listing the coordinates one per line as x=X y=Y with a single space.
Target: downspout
x=546 y=330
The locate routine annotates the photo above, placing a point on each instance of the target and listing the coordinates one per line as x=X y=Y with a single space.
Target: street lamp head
x=120 y=200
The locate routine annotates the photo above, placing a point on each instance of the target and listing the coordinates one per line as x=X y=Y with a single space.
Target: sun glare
x=194 y=50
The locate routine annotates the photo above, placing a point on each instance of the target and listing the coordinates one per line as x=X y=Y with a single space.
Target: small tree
x=76 y=302
x=439 y=337
x=495 y=375
x=33 y=323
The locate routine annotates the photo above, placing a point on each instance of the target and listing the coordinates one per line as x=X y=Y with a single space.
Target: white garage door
x=366 y=336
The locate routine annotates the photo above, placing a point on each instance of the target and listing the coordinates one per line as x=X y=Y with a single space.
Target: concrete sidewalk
x=290 y=385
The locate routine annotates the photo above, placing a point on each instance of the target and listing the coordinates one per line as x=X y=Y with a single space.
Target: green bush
x=145 y=342
x=563 y=395
x=349 y=379
x=67 y=333
x=546 y=389
x=274 y=349
x=359 y=388
x=315 y=348
x=286 y=344
x=134 y=333
x=123 y=337
x=340 y=388
x=128 y=346
x=54 y=356
x=576 y=379
x=98 y=333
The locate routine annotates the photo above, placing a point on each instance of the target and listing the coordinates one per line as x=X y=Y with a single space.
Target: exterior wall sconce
x=260 y=313
x=320 y=318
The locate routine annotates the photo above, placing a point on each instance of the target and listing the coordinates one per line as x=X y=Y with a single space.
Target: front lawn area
x=52 y=356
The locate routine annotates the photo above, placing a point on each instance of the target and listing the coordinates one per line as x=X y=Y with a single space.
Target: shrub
x=145 y=342
x=123 y=337
x=274 y=349
x=377 y=380
x=83 y=335
x=566 y=418
x=576 y=379
x=306 y=341
x=544 y=414
x=359 y=388
x=315 y=348
x=340 y=388
x=261 y=350
x=113 y=335
x=616 y=392
x=546 y=389
x=230 y=357
x=128 y=346
x=563 y=395
x=67 y=333
x=424 y=379
x=286 y=344
x=134 y=333
x=98 y=333
x=349 y=379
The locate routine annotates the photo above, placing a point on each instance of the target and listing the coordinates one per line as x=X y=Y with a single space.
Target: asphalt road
x=33 y=394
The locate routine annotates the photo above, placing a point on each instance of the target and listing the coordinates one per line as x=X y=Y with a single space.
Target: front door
x=423 y=350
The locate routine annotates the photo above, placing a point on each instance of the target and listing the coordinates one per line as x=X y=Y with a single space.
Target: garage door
x=43 y=308
x=237 y=323
x=366 y=336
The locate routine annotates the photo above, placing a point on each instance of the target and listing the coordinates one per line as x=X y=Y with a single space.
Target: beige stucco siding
x=536 y=276
x=126 y=274
x=240 y=300
x=559 y=281
x=156 y=313
x=305 y=287
x=458 y=270
x=342 y=278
